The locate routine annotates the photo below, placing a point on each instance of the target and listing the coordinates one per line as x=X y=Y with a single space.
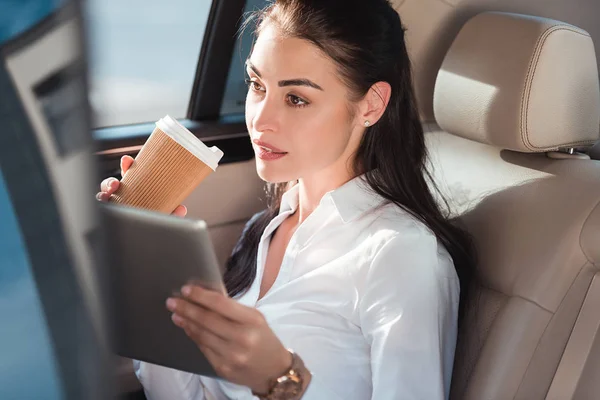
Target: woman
x=352 y=266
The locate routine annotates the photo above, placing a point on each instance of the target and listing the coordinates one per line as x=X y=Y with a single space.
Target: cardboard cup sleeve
x=170 y=165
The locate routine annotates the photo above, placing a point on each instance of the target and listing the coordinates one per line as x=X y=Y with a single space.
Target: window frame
x=229 y=132
x=214 y=62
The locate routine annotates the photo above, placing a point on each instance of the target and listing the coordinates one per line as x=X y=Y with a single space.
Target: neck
x=311 y=191
x=313 y=187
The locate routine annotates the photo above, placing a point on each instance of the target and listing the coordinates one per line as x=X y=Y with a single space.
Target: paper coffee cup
x=170 y=165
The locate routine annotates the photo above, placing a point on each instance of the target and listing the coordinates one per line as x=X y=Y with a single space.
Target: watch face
x=286 y=388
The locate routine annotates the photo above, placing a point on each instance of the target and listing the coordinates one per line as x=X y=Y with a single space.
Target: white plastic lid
x=179 y=133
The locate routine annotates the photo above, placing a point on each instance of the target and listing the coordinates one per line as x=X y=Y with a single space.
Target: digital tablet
x=150 y=257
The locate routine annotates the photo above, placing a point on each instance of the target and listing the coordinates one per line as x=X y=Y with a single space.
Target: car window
x=142 y=57
x=234 y=98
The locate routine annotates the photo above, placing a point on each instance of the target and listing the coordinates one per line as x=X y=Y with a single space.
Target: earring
x=367 y=123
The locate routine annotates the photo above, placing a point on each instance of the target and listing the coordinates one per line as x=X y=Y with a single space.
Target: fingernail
x=171 y=304
x=177 y=319
x=99 y=196
x=186 y=290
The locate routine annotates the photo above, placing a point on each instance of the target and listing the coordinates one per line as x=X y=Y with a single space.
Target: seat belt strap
x=573 y=361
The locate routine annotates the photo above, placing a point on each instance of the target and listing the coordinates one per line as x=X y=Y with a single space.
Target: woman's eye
x=297 y=101
x=254 y=85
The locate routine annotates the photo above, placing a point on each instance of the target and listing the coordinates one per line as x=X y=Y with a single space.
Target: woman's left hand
x=235 y=339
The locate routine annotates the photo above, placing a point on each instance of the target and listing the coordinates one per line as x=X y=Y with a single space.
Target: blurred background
x=142 y=57
x=80 y=83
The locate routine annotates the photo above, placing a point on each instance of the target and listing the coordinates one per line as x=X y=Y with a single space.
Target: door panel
x=224 y=238
x=232 y=193
x=226 y=200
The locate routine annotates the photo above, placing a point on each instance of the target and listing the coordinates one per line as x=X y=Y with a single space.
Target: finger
x=223 y=305
x=110 y=185
x=203 y=318
x=202 y=337
x=106 y=184
x=217 y=360
x=180 y=211
x=126 y=162
x=102 y=196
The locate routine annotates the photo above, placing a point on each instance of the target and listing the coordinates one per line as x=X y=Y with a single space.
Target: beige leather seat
x=513 y=95
x=595 y=151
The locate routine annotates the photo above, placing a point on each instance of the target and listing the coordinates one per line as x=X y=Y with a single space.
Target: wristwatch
x=291 y=385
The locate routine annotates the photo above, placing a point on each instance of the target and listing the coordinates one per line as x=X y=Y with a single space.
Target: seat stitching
x=537 y=150
x=581 y=270
x=518 y=297
x=484 y=339
x=532 y=65
x=484 y=335
x=524 y=125
x=581 y=235
x=554 y=148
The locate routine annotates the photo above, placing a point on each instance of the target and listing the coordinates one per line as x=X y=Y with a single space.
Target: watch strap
x=292 y=384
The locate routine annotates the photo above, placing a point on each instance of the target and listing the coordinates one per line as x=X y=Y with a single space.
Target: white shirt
x=365 y=295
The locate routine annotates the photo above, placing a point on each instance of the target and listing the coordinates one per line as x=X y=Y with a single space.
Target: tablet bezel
x=151 y=255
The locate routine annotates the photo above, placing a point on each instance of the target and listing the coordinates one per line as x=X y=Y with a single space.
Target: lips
x=267 y=152
x=268 y=147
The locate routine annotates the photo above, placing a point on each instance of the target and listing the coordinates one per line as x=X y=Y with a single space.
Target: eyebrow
x=287 y=82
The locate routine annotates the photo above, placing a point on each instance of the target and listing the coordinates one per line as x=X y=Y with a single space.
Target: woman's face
x=297 y=111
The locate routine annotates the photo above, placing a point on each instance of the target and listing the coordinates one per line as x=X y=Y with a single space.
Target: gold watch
x=291 y=385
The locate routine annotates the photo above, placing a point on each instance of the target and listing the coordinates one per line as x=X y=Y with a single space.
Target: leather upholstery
x=536 y=226
x=590 y=237
x=432 y=25
x=535 y=220
x=520 y=71
x=595 y=151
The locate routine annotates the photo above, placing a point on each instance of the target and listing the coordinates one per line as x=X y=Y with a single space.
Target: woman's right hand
x=110 y=185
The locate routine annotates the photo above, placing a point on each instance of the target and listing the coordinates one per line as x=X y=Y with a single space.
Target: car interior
x=509 y=96
x=510 y=102
x=530 y=205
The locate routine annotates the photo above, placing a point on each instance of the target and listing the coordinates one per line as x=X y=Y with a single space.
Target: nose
x=265 y=116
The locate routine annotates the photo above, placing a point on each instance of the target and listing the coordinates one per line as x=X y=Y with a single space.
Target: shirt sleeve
x=408 y=313
x=162 y=383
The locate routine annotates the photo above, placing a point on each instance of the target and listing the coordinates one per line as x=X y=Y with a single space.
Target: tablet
x=150 y=257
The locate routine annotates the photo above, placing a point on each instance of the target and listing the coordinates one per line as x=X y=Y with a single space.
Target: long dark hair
x=366 y=41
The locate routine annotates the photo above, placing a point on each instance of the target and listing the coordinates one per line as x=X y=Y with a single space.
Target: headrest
x=521 y=83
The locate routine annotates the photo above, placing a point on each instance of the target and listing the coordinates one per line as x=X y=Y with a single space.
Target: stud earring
x=367 y=123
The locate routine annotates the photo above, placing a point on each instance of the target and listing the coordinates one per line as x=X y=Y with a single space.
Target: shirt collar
x=351 y=200
x=289 y=200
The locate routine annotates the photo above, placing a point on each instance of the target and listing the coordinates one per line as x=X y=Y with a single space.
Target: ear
x=374 y=104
